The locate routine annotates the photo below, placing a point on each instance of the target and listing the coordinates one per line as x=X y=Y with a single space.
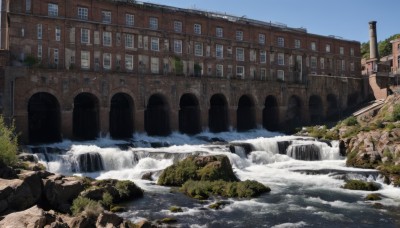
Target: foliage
x=350 y=121
x=365 y=50
x=178 y=66
x=128 y=190
x=373 y=197
x=107 y=200
x=175 y=209
x=396 y=112
x=384 y=47
x=8 y=143
x=361 y=185
x=83 y=204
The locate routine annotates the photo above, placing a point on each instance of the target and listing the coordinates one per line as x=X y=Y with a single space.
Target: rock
x=361 y=185
x=27 y=157
x=239 y=148
x=7 y=172
x=107 y=219
x=342 y=148
x=144 y=224
x=148 y=176
x=82 y=222
x=32 y=217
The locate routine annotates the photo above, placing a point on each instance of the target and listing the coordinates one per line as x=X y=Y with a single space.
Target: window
x=39 y=31
x=178 y=26
x=253 y=55
x=263 y=74
x=229 y=52
x=129 y=40
x=263 y=56
x=239 y=54
x=261 y=38
x=85 y=36
x=281 y=59
x=240 y=72
x=129 y=20
x=197 y=29
x=178 y=46
x=343 y=65
x=28 y=6
x=107 y=61
x=281 y=42
x=106 y=17
x=85 y=59
x=83 y=13
x=58 y=33
x=107 y=39
x=198 y=49
x=154 y=66
x=220 y=70
x=322 y=63
x=280 y=75
x=153 y=23
x=219 y=51
x=351 y=66
x=52 y=10
x=341 y=50
x=352 y=51
x=55 y=56
x=40 y=51
x=328 y=48
x=313 y=62
x=154 y=44
x=313 y=46
x=129 y=62
x=239 y=35
x=219 y=32
x=297 y=43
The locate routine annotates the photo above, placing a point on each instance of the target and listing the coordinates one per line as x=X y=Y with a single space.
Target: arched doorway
x=44 y=118
x=315 y=109
x=86 y=117
x=218 y=114
x=189 y=114
x=333 y=111
x=271 y=114
x=293 y=114
x=246 y=114
x=156 y=116
x=121 y=116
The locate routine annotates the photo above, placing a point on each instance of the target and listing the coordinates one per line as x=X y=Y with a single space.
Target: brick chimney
x=373 y=42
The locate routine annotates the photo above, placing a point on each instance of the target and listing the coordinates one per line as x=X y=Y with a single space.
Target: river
x=304 y=193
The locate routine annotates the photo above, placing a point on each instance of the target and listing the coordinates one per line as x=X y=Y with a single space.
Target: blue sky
x=345 y=18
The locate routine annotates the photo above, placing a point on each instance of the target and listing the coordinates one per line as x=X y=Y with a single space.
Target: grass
x=8 y=144
x=361 y=185
x=90 y=207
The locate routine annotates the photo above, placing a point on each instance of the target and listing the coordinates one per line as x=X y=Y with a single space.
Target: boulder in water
x=361 y=185
x=32 y=217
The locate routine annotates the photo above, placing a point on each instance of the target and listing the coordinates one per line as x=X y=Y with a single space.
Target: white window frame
x=219 y=32
x=328 y=48
x=178 y=46
x=280 y=75
x=352 y=51
x=263 y=74
x=263 y=56
x=154 y=65
x=281 y=59
x=39 y=31
x=341 y=50
x=52 y=10
x=155 y=44
x=153 y=23
x=56 y=56
x=313 y=46
x=219 y=51
x=240 y=72
x=261 y=38
x=58 y=33
x=107 y=39
x=313 y=62
x=83 y=13
x=297 y=43
x=239 y=35
x=240 y=54
x=85 y=59
x=178 y=26
x=343 y=65
x=219 y=70
x=281 y=41
x=85 y=36
x=129 y=20
x=352 y=68
x=106 y=17
x=198 y=49
x=129 y=62
x=129 y=41
x=28 y=6
x=322 y=63
x=40 y=51
x=107 y=61
x=197 y=29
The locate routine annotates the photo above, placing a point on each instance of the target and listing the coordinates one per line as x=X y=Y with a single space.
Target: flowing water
x=305 y=177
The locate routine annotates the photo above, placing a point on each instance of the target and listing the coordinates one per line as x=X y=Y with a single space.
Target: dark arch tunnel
x=121 y=116
x=333 y=111
x=293 y=114
x=189 y=115
x=246 y=114
x=218 y=114
x=271 y=114
x=156 y=116
x=316 y=110
x=44 y=118
x=86 y=117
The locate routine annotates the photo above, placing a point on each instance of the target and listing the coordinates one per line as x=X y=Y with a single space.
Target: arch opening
x=315 y=109
x=333 y=111
x=156 y=116
x=293 y=113
x=121 y=116
x=218 y=114
x=44 y=118
x=246 y=114
x=189 y=115
x=86 y=117
x=271 y=114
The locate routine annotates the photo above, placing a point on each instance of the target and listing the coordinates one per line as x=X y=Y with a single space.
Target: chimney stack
x=373 y=42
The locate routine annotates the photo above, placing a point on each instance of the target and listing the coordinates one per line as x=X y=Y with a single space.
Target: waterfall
x=306 y=152
x=90 y=162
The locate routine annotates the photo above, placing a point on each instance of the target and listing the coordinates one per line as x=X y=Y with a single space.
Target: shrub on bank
x=90 y=207
x=8 y=144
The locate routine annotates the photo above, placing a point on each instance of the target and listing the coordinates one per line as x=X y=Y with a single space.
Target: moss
x=168 y=220
x=127 y=190
x=350 y=121
x=116 y=209
x=175 y=209
x=373 y=197
x=218 y=205
x=81 y=204
x=107 y=200
x=361 y=185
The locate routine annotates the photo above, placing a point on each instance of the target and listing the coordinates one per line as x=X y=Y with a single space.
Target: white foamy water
x=303 y=193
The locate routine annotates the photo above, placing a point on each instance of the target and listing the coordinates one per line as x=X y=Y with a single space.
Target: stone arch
x=189 y=114
x=293 y=117
x=246 y=114
x=44 y=118
x=271 y=114
x=332 y=111
x=315 y=109
x=352 y=100
x=121 y=116
x=218 y=114
x=86 y=124
x=156 y=116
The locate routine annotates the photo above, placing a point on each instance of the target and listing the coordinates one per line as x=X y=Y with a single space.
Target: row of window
x=106 y=18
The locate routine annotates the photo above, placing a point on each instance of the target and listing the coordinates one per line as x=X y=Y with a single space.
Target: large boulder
x=32 y=217
x=107 y=219
x=205 y=168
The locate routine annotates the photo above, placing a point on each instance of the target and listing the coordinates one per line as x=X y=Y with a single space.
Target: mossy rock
x=168 y=220
x=219 y=205
x=373 y=197
x=205 y=168
x=361 y=185
x=116 y=209
x=175 y=209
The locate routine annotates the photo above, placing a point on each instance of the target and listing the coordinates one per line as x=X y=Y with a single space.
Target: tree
x=8 y=143
x=384 y=47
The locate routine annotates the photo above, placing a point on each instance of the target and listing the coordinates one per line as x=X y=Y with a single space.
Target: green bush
x=373 y=197
x=361 y=185
x=107 y=200
x=396 y=112
x=8 y=143
x=350 y=121
x=90 y=207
